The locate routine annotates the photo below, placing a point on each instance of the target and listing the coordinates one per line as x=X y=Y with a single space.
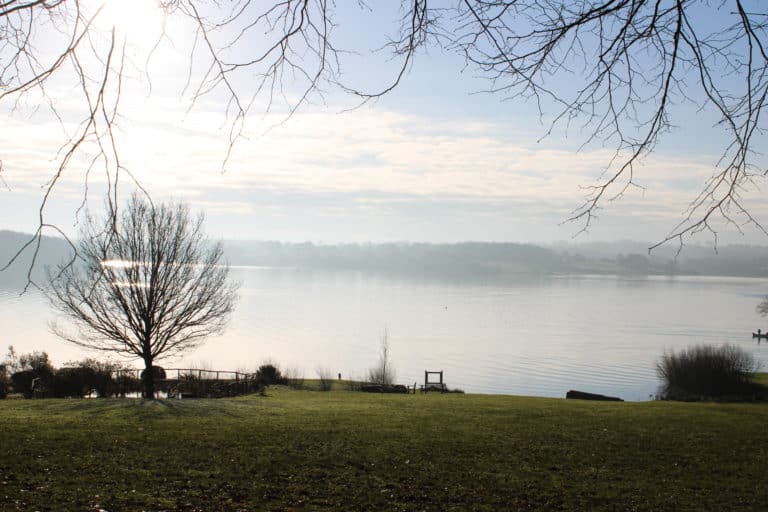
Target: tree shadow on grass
x=139 y=408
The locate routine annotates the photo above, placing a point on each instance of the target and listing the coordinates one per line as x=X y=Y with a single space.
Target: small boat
x=760 y=335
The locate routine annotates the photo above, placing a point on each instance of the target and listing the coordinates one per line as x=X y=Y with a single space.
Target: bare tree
x=150 y=286
x=383 y=373
x=617 y=69
x=325 y=378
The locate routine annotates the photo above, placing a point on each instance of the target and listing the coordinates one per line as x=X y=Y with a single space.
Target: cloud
x=368 y=161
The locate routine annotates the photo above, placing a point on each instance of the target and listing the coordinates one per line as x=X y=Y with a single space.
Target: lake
x=532 y=336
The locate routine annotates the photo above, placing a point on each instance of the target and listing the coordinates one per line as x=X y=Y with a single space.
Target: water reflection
x=533 y=335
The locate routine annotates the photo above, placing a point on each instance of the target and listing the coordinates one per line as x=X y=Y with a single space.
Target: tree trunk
x=148 y=379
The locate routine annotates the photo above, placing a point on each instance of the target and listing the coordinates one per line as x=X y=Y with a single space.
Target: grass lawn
x=305 y=450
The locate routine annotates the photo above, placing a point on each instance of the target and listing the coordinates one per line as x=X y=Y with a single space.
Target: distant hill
x=470 y=259
x=460 y=261
x=495 y=260
x=728 y=260
x=53 y=251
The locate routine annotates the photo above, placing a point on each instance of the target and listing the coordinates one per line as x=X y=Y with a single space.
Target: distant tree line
x=478 y=260
x=474 y=259
x=470 y=260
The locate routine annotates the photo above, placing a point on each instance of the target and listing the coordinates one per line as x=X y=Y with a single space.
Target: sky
x=436 y=160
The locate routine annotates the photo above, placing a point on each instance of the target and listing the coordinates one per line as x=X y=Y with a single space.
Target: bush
x=73 y=382
x=383 y=373
x=104 y=381
x=5 y=382
x=269 y=374
x=32 y=375
x=325 y=378
x=158 y=378
x=191 y=384
x=708 y=372
x=126 y=382
x=35 y=375
x=294 y=378
x=8 y=366
x=81 y=378
x=158 y=374
x=26 y=383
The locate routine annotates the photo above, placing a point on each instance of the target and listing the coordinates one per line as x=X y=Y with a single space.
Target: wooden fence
x=190 y=382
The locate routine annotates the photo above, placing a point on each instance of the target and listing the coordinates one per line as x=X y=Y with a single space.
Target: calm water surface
x=531 y=337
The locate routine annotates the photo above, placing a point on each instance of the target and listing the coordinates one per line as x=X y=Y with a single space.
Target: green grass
x=355 y=451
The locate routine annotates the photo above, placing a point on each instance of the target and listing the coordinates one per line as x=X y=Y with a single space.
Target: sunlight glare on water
x=538 y=336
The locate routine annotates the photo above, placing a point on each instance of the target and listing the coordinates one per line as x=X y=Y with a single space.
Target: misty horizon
x=455 y=261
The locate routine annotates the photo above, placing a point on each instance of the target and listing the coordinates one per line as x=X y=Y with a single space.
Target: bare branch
x=615 y=70
x=150 y=288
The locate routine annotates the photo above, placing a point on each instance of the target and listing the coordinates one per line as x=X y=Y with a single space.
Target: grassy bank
x=354 y=451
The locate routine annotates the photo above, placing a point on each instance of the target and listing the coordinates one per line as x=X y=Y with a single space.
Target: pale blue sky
x=436 y=160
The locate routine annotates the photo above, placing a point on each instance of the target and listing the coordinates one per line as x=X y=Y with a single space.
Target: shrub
x=191 y=383
x=5 y=382
x=26 y=383
x=269 y=374
x=8 y=366
x=103 y=381
x=707 y=372
x=383 y=373
x=34 y=376
x=325 y=378
x=294 y=378
x=73 y=381
x=90 y=375
x=158 y=373
x=127 y=382
x=158 y=376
